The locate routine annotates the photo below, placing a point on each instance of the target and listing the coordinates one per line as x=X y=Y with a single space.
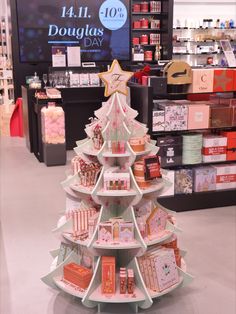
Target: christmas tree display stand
x=114 y=123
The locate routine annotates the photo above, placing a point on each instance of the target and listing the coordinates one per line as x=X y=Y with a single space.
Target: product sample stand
x=117 y=121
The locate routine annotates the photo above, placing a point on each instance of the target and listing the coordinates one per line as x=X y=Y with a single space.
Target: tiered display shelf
x=113 y=203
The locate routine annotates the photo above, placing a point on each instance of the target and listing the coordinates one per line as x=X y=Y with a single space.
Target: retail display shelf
x=150 y=13
x=160 y=238
x=154 y=294
x=70 y=192
x=155 y=186
x=200 y=164
x=207 y=41
x=192 y=130
x=69 y=287
x=68 y=236
x=145 y=152
x=195 y=54
x=89 y=151
x=204 y=28
x=82 y=189
x=117 y=193
x=117 y=245
x=157 y=30
x=97 y=296
x=109 y=154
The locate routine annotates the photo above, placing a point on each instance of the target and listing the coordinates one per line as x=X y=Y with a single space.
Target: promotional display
x=115 y=214
x=100 y=28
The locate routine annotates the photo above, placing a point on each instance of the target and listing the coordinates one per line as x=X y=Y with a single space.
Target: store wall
x=215 y=9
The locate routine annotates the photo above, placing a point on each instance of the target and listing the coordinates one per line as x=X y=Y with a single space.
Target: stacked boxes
x=225 y=176
x=170 y=151
x=176 y=116
x=192 y=149
x=183 y=181
x=214 y=148
x=204 y=179
x=231 y=145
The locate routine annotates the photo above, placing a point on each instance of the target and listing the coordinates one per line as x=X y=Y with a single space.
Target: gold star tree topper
x=115 y=79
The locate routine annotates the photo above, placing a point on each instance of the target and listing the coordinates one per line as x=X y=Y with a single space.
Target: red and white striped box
x=225 y=176
x=214 y=148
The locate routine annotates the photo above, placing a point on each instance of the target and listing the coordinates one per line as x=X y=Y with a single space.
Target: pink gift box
x=198 y=116
x=202 y=81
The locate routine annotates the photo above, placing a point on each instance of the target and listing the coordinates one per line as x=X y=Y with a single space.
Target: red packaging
x=136 y=24
x=148 y=55
x=145 y=80
x=144 y=39
x=136 y=8
x=108 y=275
x=223 y=80
x=144 y=23
x=144 y=7
x=231 y=145
x=78 y=275
x=136 y=41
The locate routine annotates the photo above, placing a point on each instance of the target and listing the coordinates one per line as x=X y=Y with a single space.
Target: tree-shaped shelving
x=110 y=198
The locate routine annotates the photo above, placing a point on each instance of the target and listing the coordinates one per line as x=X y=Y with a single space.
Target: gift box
x=105 y=232
x=221 y=116
x=156 y=222
x=214 y=148
x=204 y=179
x=108 y=275
x=225 y=176
x=192 y=149
x=78 y=275
x=223 y=80
x=202 y=81
x=158 y=120
x=183 y=181
x=126 y=231
x=176 y=116
x=198 y=116
x=231 y=144
x=170 y=150
x=169 y=176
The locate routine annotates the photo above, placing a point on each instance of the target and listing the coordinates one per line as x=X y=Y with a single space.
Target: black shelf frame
x=142 y=101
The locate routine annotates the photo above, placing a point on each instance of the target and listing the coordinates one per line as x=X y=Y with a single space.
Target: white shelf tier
x=97 y=296
x=116 y=193
x=160 y=238
x=70 y=238
x=68 y=287
x=109 y=154
x=117 y=245
x=155 y=294
x=155 y=187
x=82 y=189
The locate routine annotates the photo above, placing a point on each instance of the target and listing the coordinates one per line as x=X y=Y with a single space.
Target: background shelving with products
x=164 y=30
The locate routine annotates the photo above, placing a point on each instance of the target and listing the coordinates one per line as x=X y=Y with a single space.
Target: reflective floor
x=31 y=201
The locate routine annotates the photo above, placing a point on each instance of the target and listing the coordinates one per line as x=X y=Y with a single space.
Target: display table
x=78 y=103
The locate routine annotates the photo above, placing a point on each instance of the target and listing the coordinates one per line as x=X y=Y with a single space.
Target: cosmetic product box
x=151 y=167
x=126 y=231
x=137 y=143
x=105 y=231
x=225 y=176
x=176 y=116
x=231 y=144
x=116 y=225
x=183 y=181
x=202 y=81
x=139 y=174
x=223 y=80
x=204 y=179
x=214 y=148
x=233 y=106
x=198 y=116
x=169 y=176
x=158 y=120
x=78 y=275
x=156 y=222
x=170 y=151
x=123 y=281
x=84 y=79
x=108 y=275
x=221 y=116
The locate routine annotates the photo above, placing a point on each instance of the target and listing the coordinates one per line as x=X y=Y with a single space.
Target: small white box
x=169 y=176
x=158 y=120
x=225 y=176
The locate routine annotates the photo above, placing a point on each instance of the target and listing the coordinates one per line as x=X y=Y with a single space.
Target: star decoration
x=115 y=79
x=221 y=81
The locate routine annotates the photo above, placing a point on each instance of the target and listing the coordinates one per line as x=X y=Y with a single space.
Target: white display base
x=69 y=287
x=154 y=294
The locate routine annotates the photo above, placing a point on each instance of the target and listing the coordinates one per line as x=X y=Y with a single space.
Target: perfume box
x=158 y=120
x=166 y=269
x=176 y=116
x=214 y=148
x=204 y=179
x=231 y=144
x=198 y=116
x=170 y=150
x=202 y=81
x=156 y=222
x=221 y=116
x=105 y=231
x=108 y=275
x=169 y=176
x=223 y=80
x=78 y=275
x=183 y=181
x=151 y=167
x=225 y=176
x=126 y=231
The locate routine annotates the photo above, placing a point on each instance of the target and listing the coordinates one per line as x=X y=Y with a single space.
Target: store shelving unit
x=142 y=97
x=166 y=22
x=113 y=203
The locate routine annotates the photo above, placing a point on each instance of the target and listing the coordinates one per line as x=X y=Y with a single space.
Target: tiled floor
x=31 y=200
